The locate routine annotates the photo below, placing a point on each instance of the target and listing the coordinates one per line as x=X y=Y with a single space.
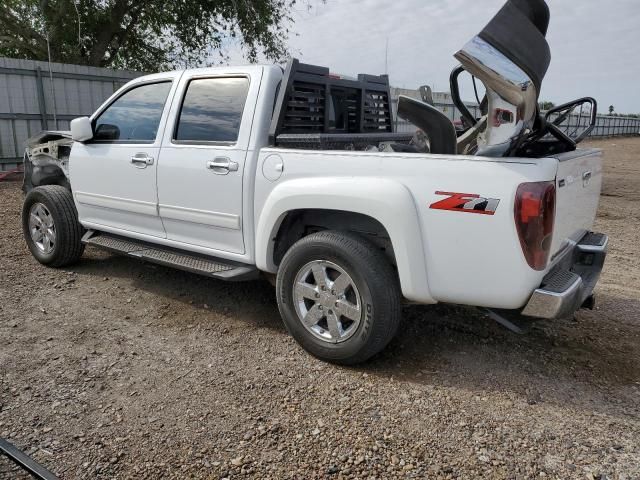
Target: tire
x=52 y=204
x=354 y=334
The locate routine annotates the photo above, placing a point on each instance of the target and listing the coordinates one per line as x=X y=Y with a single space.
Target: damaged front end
x=46 y=160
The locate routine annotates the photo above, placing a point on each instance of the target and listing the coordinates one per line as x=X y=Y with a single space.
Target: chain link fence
x=606 y=125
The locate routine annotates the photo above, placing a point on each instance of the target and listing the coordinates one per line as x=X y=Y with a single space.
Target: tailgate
x=578 y=184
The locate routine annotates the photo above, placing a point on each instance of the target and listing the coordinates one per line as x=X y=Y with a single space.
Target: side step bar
x=188 y=261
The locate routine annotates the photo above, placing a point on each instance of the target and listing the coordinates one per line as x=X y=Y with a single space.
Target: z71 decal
x=466 y=202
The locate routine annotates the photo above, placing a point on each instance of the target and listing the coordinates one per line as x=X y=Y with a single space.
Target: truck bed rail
x=335 y=141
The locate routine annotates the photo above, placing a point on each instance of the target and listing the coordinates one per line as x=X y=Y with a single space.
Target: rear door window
x=212 y=110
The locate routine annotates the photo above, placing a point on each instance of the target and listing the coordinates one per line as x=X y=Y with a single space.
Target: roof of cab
x=221 y=70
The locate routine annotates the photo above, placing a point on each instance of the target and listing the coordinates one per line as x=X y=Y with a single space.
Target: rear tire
x=50 y=226
x=339 y=297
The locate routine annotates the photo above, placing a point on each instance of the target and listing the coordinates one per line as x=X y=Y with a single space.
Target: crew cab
x=296 y=173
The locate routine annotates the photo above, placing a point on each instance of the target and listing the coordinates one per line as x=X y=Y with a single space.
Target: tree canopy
x=545 y=105
x=143 y=35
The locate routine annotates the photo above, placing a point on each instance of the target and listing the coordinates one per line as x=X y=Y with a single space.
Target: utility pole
x=386 y=58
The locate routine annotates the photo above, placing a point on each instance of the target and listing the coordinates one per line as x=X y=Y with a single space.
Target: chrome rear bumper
x=571 y=281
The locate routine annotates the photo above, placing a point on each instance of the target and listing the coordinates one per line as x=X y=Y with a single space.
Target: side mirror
x=81 y=129
x=107 y=132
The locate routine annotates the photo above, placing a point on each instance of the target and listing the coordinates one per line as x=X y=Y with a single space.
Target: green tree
x=143 y=35
x=544 y=106
x=611 y=109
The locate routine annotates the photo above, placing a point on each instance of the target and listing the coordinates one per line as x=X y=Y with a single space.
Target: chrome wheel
x=42 y=228
x=327 y=301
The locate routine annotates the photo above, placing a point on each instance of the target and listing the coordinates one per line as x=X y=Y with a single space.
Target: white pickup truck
x=297 y=173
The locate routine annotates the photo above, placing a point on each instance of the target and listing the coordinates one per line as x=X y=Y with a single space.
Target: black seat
x=435 y=124
x=518 y=31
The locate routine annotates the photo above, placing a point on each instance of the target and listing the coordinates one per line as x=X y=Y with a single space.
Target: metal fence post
x=42 y=106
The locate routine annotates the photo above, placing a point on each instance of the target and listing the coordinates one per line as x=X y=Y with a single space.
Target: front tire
x=50 y=226
x=339 y=297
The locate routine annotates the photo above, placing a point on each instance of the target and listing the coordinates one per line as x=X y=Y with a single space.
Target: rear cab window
x=211 y=110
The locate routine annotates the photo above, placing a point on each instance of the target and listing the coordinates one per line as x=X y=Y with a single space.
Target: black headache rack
x=317 y=110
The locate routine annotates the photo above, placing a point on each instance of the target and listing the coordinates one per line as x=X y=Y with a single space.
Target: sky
x=595 y=44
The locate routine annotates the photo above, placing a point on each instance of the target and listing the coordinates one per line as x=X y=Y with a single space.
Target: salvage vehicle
x=297 y=173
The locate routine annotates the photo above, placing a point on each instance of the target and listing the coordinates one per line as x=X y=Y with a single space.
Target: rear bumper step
x=181 y=260
x=569 y=285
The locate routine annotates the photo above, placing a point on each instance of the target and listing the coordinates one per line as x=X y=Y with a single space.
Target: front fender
x=387 y=201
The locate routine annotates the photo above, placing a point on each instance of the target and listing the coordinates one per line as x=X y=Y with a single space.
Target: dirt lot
x=117 y=369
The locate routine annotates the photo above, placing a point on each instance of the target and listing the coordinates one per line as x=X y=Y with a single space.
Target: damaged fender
x=46 y=160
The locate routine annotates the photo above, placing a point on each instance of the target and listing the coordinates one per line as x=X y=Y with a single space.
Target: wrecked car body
x=46 y=159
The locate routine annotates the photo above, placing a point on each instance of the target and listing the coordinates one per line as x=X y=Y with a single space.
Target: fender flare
x=389 y=202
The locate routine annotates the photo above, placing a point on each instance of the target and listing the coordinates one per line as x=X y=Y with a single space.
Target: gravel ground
x=118 y=369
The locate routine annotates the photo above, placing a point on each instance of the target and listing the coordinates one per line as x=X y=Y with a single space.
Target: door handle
x=222 y=165
x=142 y=160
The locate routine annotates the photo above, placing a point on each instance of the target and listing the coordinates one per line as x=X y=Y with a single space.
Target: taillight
x=534 y=214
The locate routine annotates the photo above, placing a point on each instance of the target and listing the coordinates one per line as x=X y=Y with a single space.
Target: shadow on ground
x=564 y=362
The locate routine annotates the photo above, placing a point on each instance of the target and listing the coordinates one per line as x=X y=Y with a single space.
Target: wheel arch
x=380 y=207
x=300 y=223
x=44 y=172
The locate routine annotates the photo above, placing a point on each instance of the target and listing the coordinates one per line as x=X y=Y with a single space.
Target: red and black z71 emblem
x=466 y=202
